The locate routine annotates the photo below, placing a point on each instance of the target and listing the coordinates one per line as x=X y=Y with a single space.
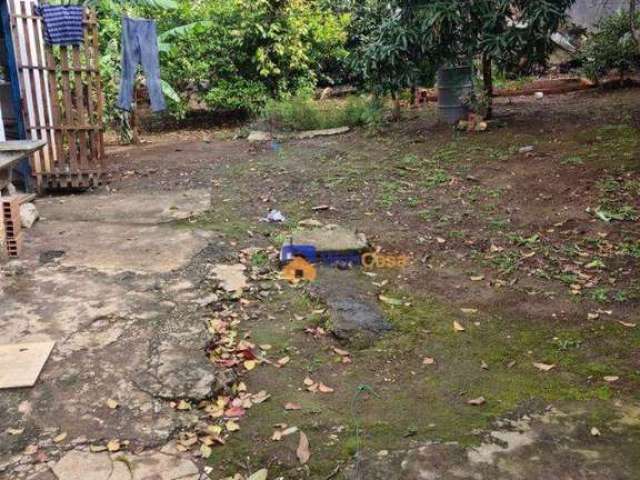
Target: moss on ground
x=387 y=397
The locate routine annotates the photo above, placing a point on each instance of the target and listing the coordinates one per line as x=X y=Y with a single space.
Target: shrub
x=233 y=54
x=303 y=113
x=611 y=47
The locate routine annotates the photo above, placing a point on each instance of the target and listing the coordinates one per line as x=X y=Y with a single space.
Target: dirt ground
x=514 y=342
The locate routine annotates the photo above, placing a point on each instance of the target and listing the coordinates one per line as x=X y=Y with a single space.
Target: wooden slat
x=46 y=67
x=36 y=112
x=55 y=107
x=25 y=80
x=40 y=88
x=62 y=92
x=95 y=48
x=83 y=159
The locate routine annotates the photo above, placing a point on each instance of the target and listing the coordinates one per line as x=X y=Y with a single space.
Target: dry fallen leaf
x=289 y=431
x=234 y=412
x=250 y=364
x=97 y=448
x=259 y=475
x=322 y=388
x=113 y=445
x=183 y=405
x=292 y=406
x=484 y=365
x=390 y=301
x=232 y=426
x=627 y=324
x=277 y=436
x=260 y=397
x=15 y=431
x=283 y=361
x=31 y=449
x=303 y=451
x=342 y=353
x=60 y=438
x=458 y=327
x=112 y=404
x=595 y=432
x=611 y=379
x=476 y=402
x=545 y=367
x=308 y=382
x=205 y=451
x=469 y=311
x=428 y=361
x=477 y=278
x=189 y=441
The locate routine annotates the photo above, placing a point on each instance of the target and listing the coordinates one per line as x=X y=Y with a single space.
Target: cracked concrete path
x=118 y=285
x=553 y=444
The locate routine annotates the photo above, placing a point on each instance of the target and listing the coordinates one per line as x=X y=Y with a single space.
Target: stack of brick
x=11 y=222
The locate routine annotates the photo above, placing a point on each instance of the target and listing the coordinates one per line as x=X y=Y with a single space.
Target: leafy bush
x=232 y=54
x=303 y=113
x=611 y=47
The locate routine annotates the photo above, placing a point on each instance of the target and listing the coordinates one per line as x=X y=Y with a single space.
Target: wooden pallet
x=62 y=92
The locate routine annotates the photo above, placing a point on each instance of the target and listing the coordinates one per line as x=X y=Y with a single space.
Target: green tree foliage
x=514 y=34
x=401 y=35
x=233 y=54
x=612 y=46
x=391 y=51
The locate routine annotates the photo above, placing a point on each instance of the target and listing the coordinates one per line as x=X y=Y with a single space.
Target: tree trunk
x=397 y=112
x=633 y=17
x=487 y=80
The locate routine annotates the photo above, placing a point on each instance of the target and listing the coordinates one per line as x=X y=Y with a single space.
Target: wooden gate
x=62 y=100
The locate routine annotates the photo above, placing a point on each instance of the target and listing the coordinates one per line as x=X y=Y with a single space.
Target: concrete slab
x=77 y=465
x=21 y=364
x=114 y=247
x=131 y=208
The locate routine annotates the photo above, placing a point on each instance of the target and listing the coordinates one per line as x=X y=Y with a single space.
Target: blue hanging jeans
x=140 y=46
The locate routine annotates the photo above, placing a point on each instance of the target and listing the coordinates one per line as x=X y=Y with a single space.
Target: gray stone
x=331 y=238
x=258 y=136
x=185 y=372
x=352 y=317
x=322 y=133
x=160 y=466
x=355 y=315
x=28 y=215
x=77 y=465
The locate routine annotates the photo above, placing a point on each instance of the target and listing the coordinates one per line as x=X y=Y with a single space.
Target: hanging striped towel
x=63 y=24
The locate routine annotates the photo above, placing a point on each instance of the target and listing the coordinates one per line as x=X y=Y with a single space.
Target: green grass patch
x=304 y=113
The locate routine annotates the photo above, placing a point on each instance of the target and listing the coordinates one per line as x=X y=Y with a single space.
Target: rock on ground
x=28 y=215
x=355 y=314
x=151 y=465
x=331 y=238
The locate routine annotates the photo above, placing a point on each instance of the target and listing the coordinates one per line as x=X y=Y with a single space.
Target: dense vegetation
x=246 y=55
x=233 y=55
x=612 y=47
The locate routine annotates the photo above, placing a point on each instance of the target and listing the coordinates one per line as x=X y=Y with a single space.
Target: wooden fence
x=62 y=101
